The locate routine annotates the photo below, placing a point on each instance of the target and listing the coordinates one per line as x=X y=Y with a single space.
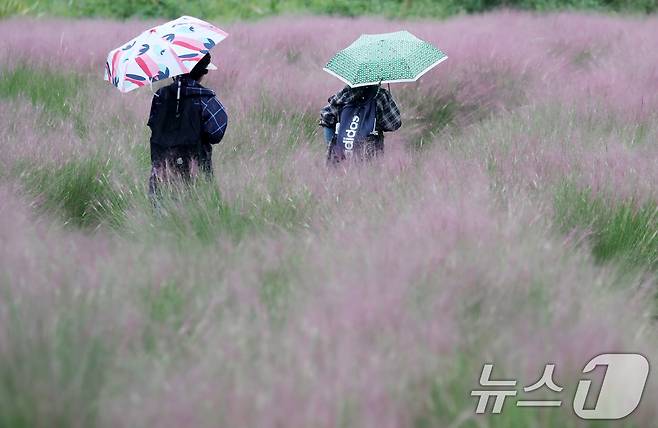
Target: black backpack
x=357 y=122
x=178 y=122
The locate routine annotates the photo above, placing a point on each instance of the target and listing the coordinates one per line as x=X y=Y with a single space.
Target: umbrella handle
x=379 y=86
x=151 y=85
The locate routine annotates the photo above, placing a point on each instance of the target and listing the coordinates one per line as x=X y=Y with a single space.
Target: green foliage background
x=238 y=9
x=117 y=299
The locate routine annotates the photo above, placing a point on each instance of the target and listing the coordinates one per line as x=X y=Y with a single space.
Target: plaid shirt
x=388 y=113
x=213 y=113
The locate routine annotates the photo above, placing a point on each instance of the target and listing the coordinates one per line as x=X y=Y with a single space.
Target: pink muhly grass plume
x=289 y=294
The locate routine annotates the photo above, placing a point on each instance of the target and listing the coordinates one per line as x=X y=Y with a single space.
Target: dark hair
x=201 y=68
x=363 y=93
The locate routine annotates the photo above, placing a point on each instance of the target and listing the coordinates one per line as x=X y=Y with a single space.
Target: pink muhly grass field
x=287 y=294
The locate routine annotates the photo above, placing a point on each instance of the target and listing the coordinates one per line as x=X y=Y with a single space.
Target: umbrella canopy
x=384 y=58
x=164 y=51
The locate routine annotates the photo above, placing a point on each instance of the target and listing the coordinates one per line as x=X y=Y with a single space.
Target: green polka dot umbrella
x=384 y=58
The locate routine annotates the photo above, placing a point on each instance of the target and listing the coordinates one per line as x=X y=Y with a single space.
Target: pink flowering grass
x=510 y=221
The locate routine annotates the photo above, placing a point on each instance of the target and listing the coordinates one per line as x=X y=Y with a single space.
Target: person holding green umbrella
x=356 y=118
x=343 y=106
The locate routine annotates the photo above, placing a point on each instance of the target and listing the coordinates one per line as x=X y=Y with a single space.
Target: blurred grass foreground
x=512 y=220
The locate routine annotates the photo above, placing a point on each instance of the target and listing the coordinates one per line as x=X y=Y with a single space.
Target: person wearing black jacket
x=186 y=119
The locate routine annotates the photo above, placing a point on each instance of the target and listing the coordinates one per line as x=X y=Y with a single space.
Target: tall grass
x=620 y=231
x=284 y=293
x=65 y=359
x=80 y=191
x=55 y=90
x=57 y=93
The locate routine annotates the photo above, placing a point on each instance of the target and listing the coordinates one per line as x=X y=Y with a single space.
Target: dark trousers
x=179 y=163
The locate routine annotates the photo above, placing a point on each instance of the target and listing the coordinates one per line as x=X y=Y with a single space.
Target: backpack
x=178 y=122
x=357 y=122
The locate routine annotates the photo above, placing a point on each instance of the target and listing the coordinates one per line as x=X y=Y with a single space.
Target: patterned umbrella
x=164 y=51
x=384 y=58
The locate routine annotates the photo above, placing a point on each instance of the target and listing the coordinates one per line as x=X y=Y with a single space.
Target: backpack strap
x=178 y=99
